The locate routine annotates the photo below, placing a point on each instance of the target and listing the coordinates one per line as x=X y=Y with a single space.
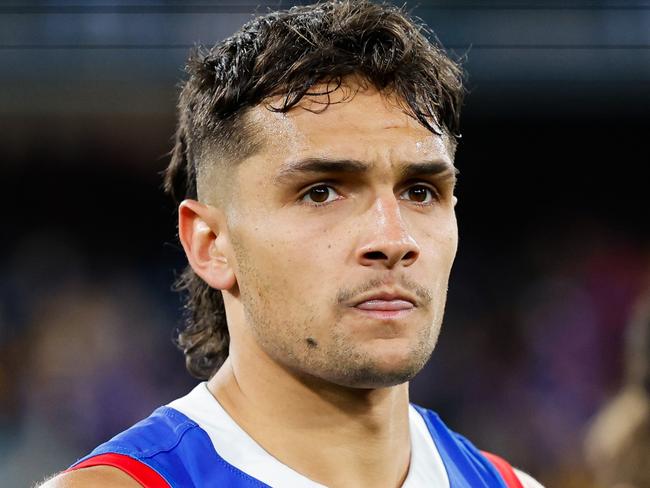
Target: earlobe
x=203 y=234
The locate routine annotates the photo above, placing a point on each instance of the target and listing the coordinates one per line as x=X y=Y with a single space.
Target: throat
x=331 y=439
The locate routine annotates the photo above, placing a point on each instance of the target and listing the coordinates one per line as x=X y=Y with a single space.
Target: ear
x=203 y=234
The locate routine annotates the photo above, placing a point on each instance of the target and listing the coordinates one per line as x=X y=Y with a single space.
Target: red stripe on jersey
x=505 y=470
x=143 y=474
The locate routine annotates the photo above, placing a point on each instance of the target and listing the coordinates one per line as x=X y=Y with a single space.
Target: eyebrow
x=352 y=166
x=430 y=168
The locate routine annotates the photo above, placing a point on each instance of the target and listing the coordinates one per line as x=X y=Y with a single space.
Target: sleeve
x=139 y=471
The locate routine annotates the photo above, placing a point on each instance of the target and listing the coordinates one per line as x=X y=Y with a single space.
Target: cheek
x=277 y=261
x=440 y=243
x=451 y=243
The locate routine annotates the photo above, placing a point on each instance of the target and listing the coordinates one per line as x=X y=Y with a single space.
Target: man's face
x=344 y=234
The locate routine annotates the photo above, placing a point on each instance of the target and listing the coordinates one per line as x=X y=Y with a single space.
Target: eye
x=420 y=194
x=320 y=195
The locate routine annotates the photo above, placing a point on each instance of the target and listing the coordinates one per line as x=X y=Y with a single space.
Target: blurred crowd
x=85 y=351
x=532 y=347
x=533 y=350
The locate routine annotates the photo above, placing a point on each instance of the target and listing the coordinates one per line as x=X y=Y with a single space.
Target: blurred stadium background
x=554 y=220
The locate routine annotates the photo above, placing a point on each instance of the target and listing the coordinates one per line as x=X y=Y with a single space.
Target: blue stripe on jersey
x=466 y=466
x=181 y=452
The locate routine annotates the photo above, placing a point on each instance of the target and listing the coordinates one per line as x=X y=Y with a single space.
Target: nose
x=387 y=242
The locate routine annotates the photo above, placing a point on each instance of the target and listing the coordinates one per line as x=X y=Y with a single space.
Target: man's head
x=319 y=142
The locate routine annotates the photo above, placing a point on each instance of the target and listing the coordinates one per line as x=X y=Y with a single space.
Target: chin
x=370 y=378
x=364 y=363
x=382 y=370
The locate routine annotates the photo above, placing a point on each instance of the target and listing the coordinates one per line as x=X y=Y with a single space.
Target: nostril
x=409 y=255
x=375 y=255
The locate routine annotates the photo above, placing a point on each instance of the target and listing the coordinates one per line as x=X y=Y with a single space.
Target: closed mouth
x=385 y=305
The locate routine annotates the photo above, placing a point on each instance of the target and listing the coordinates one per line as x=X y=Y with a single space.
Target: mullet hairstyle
x=286 y=54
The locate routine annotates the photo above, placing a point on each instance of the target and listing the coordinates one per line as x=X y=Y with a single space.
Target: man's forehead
x=345 y=120
x=365 y=107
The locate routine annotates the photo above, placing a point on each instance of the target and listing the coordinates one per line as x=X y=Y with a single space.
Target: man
x=314 y=161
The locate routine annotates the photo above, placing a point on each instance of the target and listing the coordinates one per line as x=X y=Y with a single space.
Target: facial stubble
x=307 y=349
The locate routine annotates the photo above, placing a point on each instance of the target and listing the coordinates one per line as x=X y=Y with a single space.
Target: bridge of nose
x=387 y=238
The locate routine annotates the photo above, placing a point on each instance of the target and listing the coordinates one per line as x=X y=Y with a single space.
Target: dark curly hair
x=286 y=54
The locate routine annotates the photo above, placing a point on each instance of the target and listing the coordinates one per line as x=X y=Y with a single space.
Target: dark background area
x=553 y=214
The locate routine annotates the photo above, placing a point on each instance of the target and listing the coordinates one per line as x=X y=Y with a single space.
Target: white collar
x=239 y=449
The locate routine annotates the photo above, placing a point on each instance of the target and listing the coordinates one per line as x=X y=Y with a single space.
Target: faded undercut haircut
x=288 y=54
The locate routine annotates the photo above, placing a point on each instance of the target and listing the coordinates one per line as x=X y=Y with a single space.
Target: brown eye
x=419 y=194
x=320 y=194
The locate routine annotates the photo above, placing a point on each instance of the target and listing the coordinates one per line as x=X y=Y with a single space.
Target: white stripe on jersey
x=237 y=448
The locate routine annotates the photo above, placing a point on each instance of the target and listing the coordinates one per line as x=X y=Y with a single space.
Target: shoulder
x=155 y=435
x=459 y=451
x=105 y=476
x=512 y=476
x=132 y=454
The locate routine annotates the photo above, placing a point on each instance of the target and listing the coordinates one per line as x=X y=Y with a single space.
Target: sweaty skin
x=317 y=382
x=299 y=267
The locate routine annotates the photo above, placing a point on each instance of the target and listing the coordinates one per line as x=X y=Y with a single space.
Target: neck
x=336 y=436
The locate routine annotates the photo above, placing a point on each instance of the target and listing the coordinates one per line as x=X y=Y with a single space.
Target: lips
x=385 y=305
